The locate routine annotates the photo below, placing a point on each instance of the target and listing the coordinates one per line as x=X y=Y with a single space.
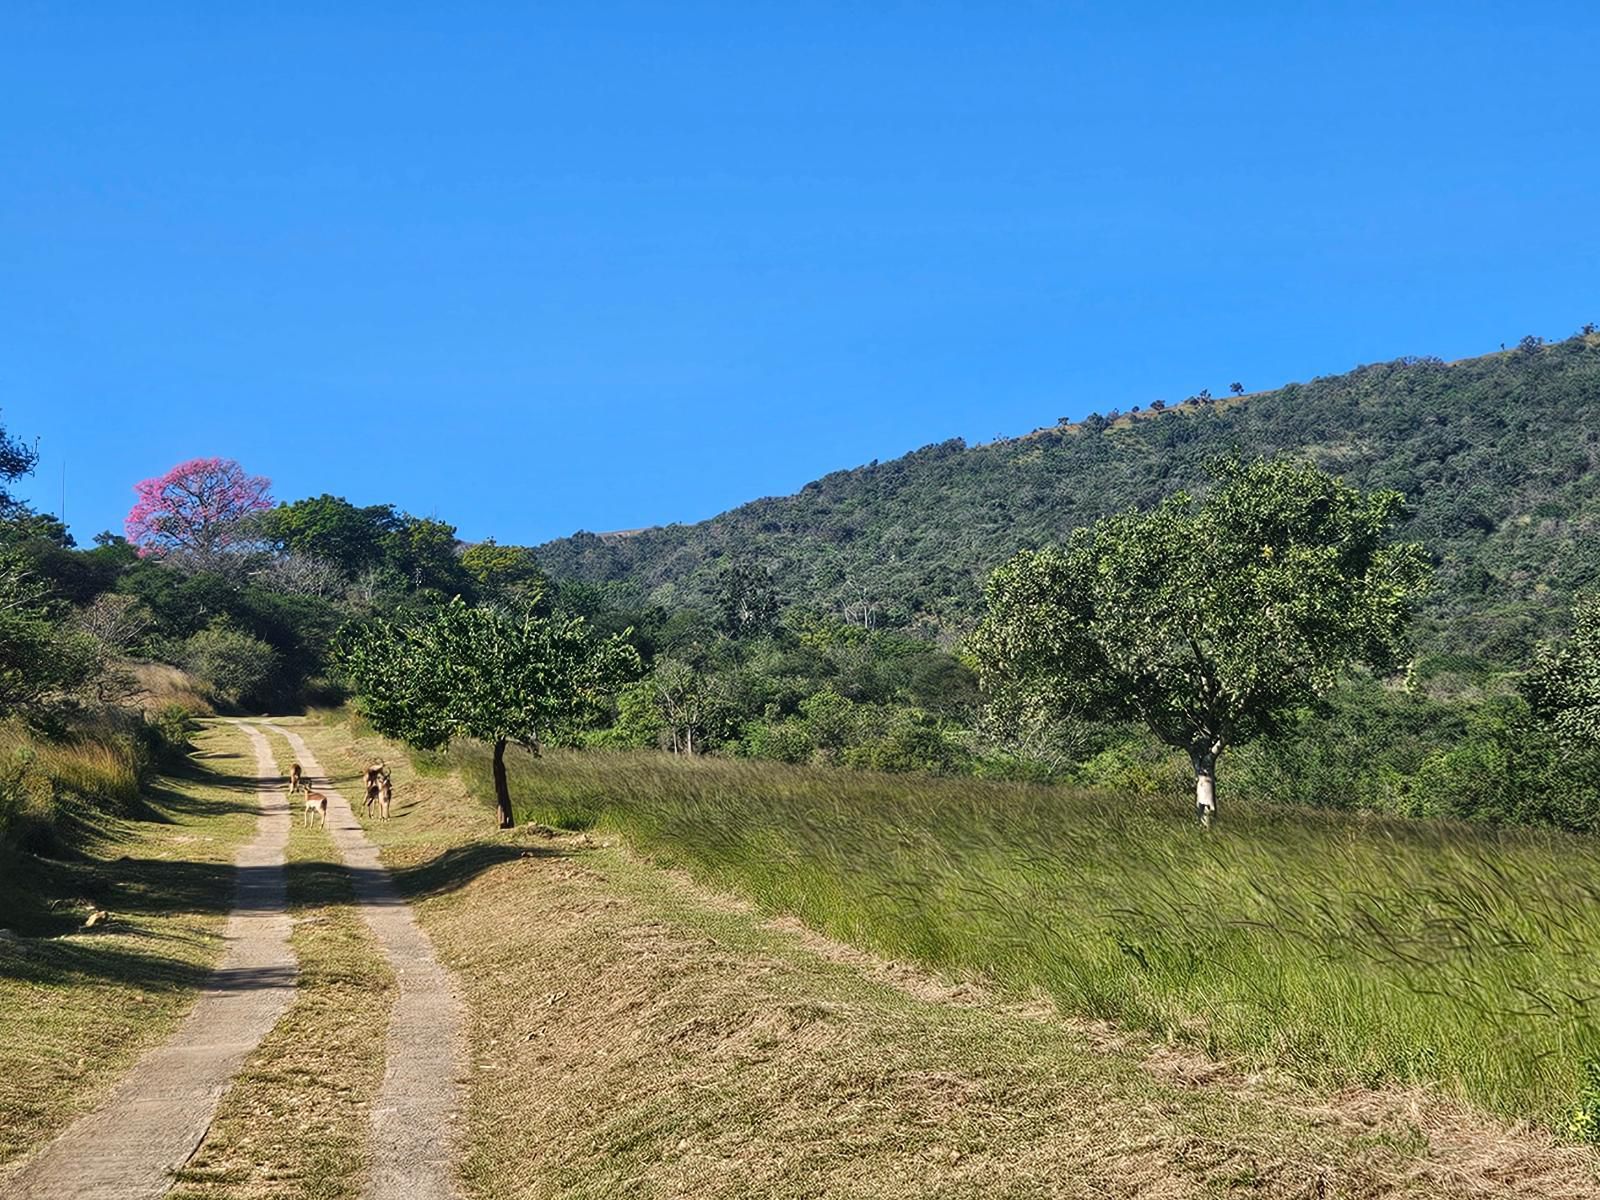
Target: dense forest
x=1498 y=458
x=834 y=627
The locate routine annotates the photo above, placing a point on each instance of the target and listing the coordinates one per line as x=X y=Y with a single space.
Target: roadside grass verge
x=295 y=1120
x=1346 y=949
x=79 y=1005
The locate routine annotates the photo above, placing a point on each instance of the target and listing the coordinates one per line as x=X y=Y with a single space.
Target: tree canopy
x=497 y=674
x=1564 y=684
x=1210 y=620
x=197 y=507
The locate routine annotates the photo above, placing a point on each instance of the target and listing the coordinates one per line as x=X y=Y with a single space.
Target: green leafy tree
x=1211 y=620
x=1564 y=684
x=503 y=570
x=331 y=528
x=491 y=673
x=43 y=662
x=747 y=603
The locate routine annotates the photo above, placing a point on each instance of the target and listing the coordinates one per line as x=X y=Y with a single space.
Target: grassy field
x=78 y=1005
x=634 y=1032
x=1347 y=949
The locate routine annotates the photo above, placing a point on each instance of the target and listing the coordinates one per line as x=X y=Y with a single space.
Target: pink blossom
x=195 y=506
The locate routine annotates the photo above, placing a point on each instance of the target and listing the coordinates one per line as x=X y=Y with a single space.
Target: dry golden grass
x=634 y=1034
x=161 y=684
x=78 y=1006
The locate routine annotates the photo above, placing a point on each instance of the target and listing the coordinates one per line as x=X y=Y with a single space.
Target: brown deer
x=376 y=772
x=294 y=778
x=316 y=806
x=385 y=796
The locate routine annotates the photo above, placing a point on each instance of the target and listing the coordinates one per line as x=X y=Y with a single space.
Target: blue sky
x=536 y=268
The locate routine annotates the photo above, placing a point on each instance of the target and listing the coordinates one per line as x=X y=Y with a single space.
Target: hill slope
x=1498 y=456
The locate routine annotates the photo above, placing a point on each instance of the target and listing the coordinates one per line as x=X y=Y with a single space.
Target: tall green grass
x=51 y=786
x=1344 y=947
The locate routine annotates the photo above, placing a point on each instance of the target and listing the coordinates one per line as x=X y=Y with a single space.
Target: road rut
x=413 y=1128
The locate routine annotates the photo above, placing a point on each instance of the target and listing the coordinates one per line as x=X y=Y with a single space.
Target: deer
x=385 y=796
x=294 y=778
x=375 y=773
x=316 y=806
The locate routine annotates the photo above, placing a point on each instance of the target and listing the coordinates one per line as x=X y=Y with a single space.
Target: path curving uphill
x=413 y=1134
x=151 y=1123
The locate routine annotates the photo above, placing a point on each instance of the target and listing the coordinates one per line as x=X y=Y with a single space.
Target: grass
x=78 y=1006
x=294 y=1121
x=635 y=1033
x=1347 y=949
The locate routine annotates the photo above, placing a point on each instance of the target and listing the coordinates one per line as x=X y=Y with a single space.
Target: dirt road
x=152 y=1122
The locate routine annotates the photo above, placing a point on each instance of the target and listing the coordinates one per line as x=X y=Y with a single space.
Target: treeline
x=752 y=652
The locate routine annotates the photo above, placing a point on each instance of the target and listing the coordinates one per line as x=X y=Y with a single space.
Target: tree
x=492 y=673
x=331 y=528
x=197 y=507
x=1564 y=684
x=17 y=459
x=43 y=662
x=1212 y=621
x=500 y=570
x=747 y=603
x=239 y=666
x=1236 y=388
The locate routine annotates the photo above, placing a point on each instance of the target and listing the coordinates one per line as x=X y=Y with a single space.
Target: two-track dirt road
x=155 y=1119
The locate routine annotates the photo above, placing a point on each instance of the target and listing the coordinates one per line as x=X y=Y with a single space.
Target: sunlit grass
x=1348 y=949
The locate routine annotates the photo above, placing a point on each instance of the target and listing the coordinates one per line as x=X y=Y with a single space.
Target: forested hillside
x=1498 y=457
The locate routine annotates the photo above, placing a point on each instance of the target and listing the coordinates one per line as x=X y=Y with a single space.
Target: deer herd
x=380 y=793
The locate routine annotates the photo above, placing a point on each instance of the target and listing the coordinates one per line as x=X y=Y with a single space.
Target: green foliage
x=1475 y=447
x=503 y=571
x=173 y=726
x=746 y=602
x=43 y=661
x=1564 y=684
x=486 y=672
x=1583 y=1122
x=1211 y=621
x=240 y=667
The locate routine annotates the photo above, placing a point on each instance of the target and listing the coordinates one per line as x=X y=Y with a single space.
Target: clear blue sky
x=541 y=267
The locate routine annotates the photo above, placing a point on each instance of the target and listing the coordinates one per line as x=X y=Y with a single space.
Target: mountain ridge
x=1498 y=456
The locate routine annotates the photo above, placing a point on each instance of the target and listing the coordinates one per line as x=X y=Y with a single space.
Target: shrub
x=781 y=741
x=239 y=666
x=172 y=726
x=914 y=742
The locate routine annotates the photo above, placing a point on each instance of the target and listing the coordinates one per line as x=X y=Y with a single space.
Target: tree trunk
x=1205 y=785
x=502 y=793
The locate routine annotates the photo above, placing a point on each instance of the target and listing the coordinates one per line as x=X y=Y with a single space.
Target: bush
x=781 y=741
x=172 y=726
x=45 y=781
x=914 y=742
x=239 y=666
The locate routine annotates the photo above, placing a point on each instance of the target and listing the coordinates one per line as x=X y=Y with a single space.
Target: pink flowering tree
x=195 y=508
